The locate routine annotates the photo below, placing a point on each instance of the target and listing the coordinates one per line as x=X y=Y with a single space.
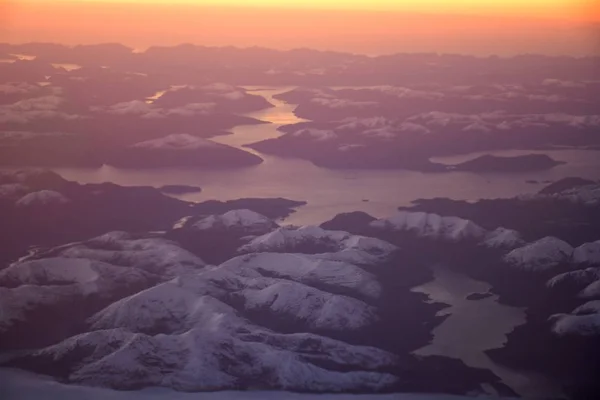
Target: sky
x=481 y=27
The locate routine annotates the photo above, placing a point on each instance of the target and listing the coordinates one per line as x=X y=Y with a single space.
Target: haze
x=198 y=202
x=373 y=27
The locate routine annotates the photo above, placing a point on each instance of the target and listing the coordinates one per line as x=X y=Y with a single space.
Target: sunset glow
x=555 y=8
x=373 y=27
x=299 y=199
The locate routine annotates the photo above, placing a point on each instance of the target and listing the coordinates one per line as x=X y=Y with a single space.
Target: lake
x=329 y=192
x=473 y=326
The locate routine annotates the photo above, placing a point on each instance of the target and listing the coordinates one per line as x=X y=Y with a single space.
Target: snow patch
x=246 y=221
x=182 y=334
x=587 y=253
x=312 y=270
x=50 y=271
x=583 y=321
x=315 y=308
x=13 y=191
x=42 y=198
x=503 y=238
x=586 y=195
x=313 y=239
x=431 y=226
x=542 y=255
x=586 y=282
x=161 y=257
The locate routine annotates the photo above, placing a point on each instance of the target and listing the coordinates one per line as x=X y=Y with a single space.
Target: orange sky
x=373 y=26
x=552 y=8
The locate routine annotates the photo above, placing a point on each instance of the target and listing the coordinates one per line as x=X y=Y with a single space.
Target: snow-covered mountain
x=252 y=283
x=46 y=294
x=129 y=311
x=586 y=194
x=502 y=238
x=583 y=282
x=41 y=198
x=32 y=289
x=315 y=308
x=152 y=314
x=551 y=252
x=34 y=178
x=431 y=226
x=544 y=254
x=447 y=228
x=313 y=270
x=203 y=330
x=335 y=245
x=241 y=221
x=224 y=351
x=13 y=191
x=59 y=271
x=587 y=253
x=582 y=321
x=154 y=255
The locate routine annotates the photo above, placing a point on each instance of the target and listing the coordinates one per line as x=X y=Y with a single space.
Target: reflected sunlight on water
x=281 y=114
x=160 y=93
x=329 y=192
x=24 y=57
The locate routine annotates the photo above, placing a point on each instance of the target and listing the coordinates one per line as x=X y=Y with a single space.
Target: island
x=523 y=163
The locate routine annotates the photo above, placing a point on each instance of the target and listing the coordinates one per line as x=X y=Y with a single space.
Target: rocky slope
x=555 y=280
x=301 y=309
x=566 y=209
x=48 y=294
x=232 y=300
x=40 y=208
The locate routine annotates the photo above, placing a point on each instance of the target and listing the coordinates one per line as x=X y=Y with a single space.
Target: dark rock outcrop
x=479 y=296
x=354 y=222
x=180 y=189
x=88 y=210
x=572 y=362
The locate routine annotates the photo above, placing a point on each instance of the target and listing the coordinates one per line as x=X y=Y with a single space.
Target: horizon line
x=142 y=50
